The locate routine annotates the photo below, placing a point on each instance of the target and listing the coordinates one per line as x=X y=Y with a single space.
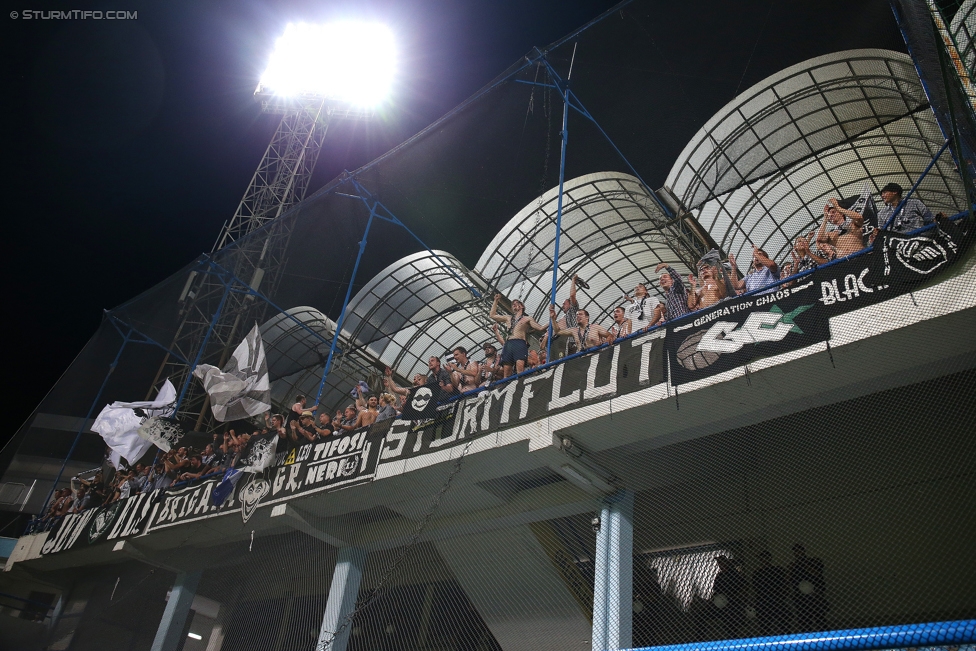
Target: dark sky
x=129 y=143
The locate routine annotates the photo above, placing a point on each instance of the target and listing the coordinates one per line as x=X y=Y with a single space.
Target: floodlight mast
x=278 y=184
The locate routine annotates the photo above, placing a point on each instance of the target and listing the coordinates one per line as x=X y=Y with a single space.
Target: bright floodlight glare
x=348 y=61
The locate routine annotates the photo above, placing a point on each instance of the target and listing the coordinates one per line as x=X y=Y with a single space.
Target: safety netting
x=749 y=416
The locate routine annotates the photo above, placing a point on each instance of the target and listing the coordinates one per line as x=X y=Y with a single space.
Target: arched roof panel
x=963 y=30
x=795 y=114
x=613 y=236
x=772 y=211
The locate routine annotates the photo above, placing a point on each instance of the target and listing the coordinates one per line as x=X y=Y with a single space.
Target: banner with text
x=606 y=373
x=336 y=462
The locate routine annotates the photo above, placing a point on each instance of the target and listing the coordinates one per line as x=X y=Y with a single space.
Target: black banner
x=120 y=519
x=607 y=373
x=336 y=462
x=733 y=333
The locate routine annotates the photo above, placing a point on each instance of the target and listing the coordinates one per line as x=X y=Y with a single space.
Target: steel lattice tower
x=252 y=244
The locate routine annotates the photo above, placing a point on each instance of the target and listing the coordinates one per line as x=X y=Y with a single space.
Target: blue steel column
x=620 y=579
x=336 y=623
x=345 y=304
x=170 y=631
x=613 y=589
x=559 y=206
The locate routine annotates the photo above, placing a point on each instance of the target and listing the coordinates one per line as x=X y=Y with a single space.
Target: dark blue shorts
x=515 y=350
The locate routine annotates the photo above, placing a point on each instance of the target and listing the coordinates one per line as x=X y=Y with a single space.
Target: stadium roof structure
x=428 y=303
x=613 y=234
x=760 y=171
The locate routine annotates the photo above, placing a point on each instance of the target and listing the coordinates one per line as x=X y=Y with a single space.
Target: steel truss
x=251 y=247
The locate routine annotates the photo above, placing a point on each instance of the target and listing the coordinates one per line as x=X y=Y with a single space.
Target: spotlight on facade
x=351 y=62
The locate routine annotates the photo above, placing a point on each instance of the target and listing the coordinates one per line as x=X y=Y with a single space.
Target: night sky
x=129 y=143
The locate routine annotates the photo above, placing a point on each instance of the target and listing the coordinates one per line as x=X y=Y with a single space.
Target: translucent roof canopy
x=742 y=204
x=613 y=236
x=296 y=339
x=795 y=114
x=297 y=344
x=963 y=30
x=419 y=306
x=427 y=304
x=758 y=172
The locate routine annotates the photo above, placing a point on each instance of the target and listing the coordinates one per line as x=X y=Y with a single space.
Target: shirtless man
x=368 y=416
x=711 y=292
x=585 y=333
x=848 y=237
x=465 y=374
x=622 y=326
x=516 y=350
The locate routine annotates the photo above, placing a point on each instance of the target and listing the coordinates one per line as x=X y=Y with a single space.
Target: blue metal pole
x=585 y=113
x=559 y=210
x=881 y=637
x=915 y=186
x=203 y=346
x=393 y=219
x=84 y=423
x=146 y=339
x=345 y=304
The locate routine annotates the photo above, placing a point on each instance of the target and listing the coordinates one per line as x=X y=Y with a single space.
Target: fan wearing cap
x=912 y=216
x=304 y=426
x=491 y=368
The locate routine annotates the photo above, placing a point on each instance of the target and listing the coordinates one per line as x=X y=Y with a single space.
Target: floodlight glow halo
x=348 y=61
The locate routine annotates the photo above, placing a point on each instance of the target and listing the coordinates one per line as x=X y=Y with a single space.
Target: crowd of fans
x=841 y=233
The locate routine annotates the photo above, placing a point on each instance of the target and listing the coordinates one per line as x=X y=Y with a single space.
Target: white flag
x=118 y=423
x=243 y=388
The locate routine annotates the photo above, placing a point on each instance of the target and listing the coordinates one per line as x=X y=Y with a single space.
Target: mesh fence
x=773 y=438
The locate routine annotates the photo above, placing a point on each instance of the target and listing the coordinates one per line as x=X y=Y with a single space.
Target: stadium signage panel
x=736 y=332
x=607 y=373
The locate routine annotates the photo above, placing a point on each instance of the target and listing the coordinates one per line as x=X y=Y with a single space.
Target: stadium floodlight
x=352 y=62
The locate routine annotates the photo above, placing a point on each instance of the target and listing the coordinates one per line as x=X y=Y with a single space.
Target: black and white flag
x=119 y=424
x=421 y=403
x=243 y=388
x=864 y=205
x=259 y=453
x=161 y=431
